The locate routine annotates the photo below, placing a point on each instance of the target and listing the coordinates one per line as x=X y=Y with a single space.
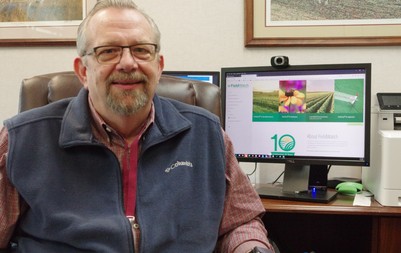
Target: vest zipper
x=133 y=222
x=132 y=241
x=135 y=227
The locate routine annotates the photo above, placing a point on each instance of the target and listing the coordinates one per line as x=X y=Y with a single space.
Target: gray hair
x=82 y=42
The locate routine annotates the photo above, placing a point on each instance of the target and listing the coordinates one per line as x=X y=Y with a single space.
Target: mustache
x=135 y=76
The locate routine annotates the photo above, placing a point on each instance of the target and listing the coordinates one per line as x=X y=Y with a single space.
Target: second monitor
x=204 y=76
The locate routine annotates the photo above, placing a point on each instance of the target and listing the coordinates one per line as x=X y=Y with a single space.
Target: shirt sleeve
x=9 y=197
x=241 y=228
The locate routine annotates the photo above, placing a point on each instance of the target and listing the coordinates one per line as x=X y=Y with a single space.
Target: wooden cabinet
x=338 y=226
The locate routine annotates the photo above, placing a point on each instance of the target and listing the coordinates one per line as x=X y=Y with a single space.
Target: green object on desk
x=349 y=188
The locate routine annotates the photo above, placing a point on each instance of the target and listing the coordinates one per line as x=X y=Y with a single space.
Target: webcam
x=280 y=62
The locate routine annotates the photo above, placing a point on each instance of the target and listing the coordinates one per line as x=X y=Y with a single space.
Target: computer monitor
x=308 y=117
x=204 y=76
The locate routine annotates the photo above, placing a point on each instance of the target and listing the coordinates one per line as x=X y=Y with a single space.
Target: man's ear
x=161 y=65
x=80 y=71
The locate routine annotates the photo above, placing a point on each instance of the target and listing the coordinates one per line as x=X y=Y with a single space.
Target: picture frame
x=259 y=34
x=40 y=33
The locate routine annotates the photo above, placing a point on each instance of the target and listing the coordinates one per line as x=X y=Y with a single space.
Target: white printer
x=383 y=177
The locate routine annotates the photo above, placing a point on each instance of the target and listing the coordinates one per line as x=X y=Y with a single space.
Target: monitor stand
x=301 y=183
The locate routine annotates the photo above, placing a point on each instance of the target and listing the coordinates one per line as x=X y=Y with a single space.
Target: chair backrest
x=44 y=89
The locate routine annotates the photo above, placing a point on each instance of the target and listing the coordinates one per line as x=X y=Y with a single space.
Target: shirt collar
x=106 y=132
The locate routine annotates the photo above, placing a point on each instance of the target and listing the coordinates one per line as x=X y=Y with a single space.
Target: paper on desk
x=362 y=200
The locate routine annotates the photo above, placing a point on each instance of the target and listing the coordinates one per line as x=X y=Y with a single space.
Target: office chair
x=46 y=88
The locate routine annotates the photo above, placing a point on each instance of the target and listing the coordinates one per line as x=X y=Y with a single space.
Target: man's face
x=126 y=87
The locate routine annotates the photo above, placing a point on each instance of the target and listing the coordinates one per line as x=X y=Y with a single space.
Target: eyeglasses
x=144 y=52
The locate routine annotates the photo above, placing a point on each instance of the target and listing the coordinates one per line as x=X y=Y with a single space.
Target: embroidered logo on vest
x=178 y=164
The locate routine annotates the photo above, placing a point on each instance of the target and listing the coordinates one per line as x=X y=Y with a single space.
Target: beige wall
x=201 y=35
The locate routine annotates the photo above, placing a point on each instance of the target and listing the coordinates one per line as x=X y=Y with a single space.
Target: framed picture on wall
x=41 y=22
x=322 y=23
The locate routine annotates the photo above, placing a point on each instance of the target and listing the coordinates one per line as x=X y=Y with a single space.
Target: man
x=119 y=169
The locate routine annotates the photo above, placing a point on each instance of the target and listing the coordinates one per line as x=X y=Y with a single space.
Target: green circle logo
x=286 y=142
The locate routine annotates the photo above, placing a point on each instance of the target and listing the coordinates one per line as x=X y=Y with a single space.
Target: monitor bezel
x=308 y=160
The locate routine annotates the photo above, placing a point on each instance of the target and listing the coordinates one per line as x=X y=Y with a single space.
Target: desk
x=338 y=226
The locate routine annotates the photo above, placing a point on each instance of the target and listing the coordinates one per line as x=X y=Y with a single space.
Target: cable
x=328 y=169
x=279 y=176
x=254 y=170
x=282 y=173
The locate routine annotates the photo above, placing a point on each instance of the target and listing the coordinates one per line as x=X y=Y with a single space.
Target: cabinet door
x=301 y=232
x=389 y=234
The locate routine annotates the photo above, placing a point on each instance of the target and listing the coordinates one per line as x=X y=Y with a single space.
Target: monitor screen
x=310 y=115
x=204 y=76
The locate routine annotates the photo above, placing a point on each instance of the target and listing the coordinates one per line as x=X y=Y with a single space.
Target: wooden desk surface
x=341 y=205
